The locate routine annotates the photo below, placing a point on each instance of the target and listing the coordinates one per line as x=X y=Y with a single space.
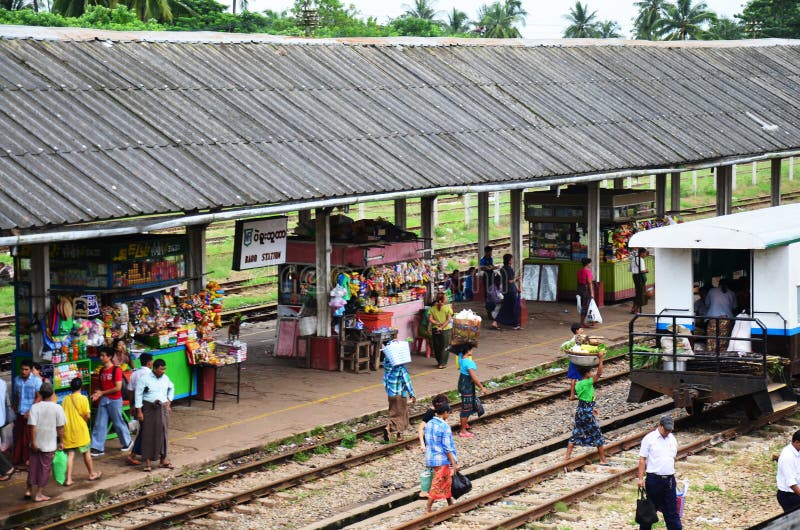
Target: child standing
x=467 y=381
x=586 y=432
x=76 y=432
x=573 y=374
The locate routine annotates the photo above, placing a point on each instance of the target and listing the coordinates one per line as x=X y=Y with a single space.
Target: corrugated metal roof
x=756 y=229
x=102 y=125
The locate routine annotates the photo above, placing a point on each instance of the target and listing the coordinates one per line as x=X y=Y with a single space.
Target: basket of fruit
x=583 y=354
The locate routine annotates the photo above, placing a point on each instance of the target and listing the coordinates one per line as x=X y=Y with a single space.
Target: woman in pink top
x=585 y=288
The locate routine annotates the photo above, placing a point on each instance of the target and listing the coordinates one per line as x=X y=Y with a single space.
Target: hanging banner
x=259 y=243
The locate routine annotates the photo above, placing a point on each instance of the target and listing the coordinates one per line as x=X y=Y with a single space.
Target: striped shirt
x=397 y=381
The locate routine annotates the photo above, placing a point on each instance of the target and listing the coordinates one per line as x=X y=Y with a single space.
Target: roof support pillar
x=661 y=195
x=426 y=207
x=515 y=196
x=775 y=181
x=675 y=192
x=400 y=213
x=619 y=184
x=593 y=226
x=40 y=296
x=323 y=263
x=196 y=260
x=724 y=182
x=483 y=221
x=304 y=216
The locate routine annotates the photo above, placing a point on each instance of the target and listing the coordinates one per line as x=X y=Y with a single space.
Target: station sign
x=259 y=243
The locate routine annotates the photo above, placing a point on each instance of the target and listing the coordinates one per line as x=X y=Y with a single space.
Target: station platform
x=279 y=398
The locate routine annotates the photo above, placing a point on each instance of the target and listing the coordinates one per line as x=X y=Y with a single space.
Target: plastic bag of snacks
x=466 y=327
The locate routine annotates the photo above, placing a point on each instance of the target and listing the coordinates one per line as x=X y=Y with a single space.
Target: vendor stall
x=558 y=234
x=104 y=290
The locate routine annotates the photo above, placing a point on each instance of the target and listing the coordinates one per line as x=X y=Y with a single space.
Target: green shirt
x=584 y=389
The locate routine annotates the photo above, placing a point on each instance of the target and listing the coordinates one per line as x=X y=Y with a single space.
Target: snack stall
x=126 y=288
x=558 y=235
x=383 y=283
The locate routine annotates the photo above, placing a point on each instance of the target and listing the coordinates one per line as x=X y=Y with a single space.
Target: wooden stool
x=418 y=342
x=356 y=354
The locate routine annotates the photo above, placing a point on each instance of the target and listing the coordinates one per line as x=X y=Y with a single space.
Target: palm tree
x=683 y=21
x=609 y=29
x=583 y=24
x=147 y=9
x=422 y=9
x=243 y=3
x=498 y=21
x=457 y=22
x=724 y=28
x=646 y=23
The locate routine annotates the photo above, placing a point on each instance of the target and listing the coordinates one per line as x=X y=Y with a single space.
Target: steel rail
x=294 y=480
x=539 y=511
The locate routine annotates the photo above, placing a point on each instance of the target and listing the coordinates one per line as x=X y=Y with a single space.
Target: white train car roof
x=757 y=229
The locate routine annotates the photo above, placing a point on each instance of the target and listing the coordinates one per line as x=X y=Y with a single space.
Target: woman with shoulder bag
x=441 y=322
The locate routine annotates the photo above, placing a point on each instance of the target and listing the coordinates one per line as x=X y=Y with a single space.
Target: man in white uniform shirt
x=153 y=399
x=789 y=475
x=657 y=458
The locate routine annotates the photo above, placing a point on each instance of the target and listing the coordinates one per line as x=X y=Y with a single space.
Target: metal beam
x=323 y=263
x=483 y=222
x=724 y=190
x=196 y=259
x=775 y=181
x=661 y=195
x=593 y=226
x=675 y=192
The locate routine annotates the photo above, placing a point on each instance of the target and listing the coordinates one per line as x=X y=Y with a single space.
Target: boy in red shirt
x=108 y=399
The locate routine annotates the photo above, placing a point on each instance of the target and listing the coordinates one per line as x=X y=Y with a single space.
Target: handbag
x=461 y=485
x=645 y=509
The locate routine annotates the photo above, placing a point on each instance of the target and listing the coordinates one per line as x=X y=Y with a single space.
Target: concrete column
x=754 y=179
x=496 y=208
x=661 y=194
x=724 y=190
x=714 y=177
x=694 y=182
x=196 y=260
x=304 y=216
x=733 y=177
x=426 y=209
x=483 y=221
x=467 y=210
x=653 y=183
x=791 y=168
x=775 y=181
x=323 y=263
x=593 y=226
x=361 y=210
x=629 y=182
x=40 y=292
x=400 y=213
x=435 y=211
x=516 y=229
x=619 y=184
x=675 y=192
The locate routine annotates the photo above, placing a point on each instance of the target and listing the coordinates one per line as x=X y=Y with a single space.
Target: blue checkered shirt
x=397 y=381
x=438 y=442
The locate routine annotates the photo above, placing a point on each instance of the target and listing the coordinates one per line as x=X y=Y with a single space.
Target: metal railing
x=680 y=354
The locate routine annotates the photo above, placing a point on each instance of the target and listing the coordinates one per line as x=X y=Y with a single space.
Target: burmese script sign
x=259 y=243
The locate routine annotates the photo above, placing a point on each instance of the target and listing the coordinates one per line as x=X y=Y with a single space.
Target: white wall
x=674 y=281
x=776 y=275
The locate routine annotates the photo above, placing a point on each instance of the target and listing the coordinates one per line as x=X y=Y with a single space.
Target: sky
x=545 y=18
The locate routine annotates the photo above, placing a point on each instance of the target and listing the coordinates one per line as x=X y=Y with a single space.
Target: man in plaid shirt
x=440 y=454
x=397 y=383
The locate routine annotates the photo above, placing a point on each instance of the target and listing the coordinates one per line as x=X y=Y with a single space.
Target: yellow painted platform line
x=193 y=435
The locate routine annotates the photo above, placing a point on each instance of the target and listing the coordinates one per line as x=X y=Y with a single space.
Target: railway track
x=182 y=503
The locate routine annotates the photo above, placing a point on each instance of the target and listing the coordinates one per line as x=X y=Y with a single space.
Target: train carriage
x=757 y=253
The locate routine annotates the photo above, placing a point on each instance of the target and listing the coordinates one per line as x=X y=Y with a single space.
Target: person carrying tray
x=586 y=432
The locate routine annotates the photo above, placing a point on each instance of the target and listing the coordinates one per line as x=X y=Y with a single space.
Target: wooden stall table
x=213 y=369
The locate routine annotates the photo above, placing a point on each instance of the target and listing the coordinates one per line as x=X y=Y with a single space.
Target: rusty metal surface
x=102 y=125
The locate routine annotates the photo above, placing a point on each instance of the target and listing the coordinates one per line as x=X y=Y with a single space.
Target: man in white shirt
x=657 y=457
x=47 y=421
x=146 y=361
x=789 y=475
x=153 y=398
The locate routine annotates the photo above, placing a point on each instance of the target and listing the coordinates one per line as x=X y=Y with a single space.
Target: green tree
x=683 y=21
x=15 y=5
x=723 y=28
x=160 y=10
x=771 y=18
x=582 y=24
x=416 y=27
x=609 y=29
x=422 y=9
x=499 y=20
x=646 y=23
x=457 y=22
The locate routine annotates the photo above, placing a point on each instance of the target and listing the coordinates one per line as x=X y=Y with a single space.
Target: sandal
x=166 y=465
x=441 y=367
x=8 y=475
x=96 y=476
x=147 y=468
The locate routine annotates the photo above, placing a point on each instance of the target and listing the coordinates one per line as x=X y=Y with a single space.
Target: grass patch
x=711 y=487
x=317 y=431
x=349 y=441
x=367 y=474
x=561 y=507
x=322 y=450
x=301 y=457
x=369 y=438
